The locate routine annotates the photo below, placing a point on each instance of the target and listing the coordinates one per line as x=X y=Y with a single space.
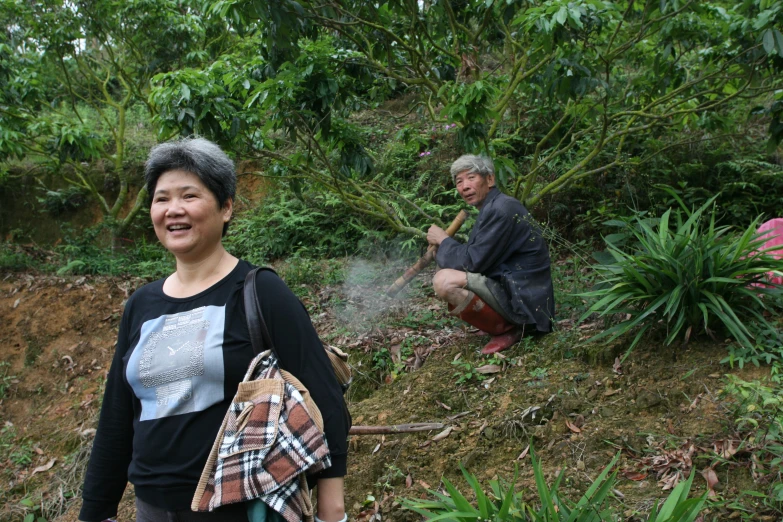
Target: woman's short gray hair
x=197 y=156
x=469 y=163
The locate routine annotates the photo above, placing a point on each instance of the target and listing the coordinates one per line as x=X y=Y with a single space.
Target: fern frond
x=400 y=214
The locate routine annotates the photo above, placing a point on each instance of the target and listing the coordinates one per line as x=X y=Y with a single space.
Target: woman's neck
x=194 y=276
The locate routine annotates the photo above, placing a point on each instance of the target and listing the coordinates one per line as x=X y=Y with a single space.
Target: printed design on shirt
x=177 y=365
x=177 y=352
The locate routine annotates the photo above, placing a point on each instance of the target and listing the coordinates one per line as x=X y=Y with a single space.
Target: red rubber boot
x=477 y=313
x=498 y=343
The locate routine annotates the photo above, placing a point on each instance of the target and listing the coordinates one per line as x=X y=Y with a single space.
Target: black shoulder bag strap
x=259 y=334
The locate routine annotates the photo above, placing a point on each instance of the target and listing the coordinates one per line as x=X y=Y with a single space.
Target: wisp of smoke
x=364 y=289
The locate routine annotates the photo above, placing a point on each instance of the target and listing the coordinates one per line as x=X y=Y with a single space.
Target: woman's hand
x=331 y=500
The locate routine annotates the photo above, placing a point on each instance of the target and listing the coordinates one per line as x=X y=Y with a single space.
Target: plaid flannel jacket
x=271 y=435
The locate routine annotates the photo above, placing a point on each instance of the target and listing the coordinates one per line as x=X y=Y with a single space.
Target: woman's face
x=186 y=216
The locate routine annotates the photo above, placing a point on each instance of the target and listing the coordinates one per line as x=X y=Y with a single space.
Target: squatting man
x=500 y=280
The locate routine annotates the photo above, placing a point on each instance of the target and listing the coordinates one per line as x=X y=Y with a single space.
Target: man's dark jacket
x=507 y=246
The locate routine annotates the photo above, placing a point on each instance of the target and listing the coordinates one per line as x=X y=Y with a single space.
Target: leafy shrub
x=299 y=271
x=315 y=226
x=758 y=406
x=13 y=258
x=148 y=260
x=744 y=188
x=399 y=157
x=56 y=202
x=85 y=253
x=685 y=272
x=766 y=349
x=504 y=504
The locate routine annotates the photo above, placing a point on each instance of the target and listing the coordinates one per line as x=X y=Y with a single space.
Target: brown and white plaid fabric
x=272 y=434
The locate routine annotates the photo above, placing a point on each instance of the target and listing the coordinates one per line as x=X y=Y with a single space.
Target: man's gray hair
x=197 y=156
x=469 y=164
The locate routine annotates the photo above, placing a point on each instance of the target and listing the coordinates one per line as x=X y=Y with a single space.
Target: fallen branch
x=396 y=428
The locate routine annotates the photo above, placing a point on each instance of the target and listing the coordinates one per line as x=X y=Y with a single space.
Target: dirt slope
x=57 y=337
x=56 y=342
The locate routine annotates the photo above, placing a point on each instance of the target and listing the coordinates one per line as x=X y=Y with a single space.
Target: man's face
x=473 y=187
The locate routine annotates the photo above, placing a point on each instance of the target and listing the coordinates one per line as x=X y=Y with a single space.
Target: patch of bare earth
x=57 y=339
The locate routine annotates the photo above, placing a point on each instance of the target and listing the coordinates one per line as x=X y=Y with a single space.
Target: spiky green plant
x=678 y=507
x=593 y=506
x=503 y=504
x=685 y=273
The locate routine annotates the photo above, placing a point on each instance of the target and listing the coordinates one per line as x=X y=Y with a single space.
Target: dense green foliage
x=72 y=74
x=745 y=188
x=565 y=90
x=284 y=225
x=558 y=92
x=83 y=254
x=686 y=273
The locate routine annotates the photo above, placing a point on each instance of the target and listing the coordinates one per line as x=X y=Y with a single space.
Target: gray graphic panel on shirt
x=177 y=365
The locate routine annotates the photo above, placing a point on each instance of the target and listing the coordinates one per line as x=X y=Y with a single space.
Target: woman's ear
x=228 y=210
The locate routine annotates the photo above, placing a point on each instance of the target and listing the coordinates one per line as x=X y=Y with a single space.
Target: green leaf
x=561 y=16
x=545 y=496
x=481 y=498
x=576 y=16
x=768 y=40
x=778 y=36
x=459 y=500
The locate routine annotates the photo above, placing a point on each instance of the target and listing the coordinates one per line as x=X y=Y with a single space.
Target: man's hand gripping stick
x=426 y=259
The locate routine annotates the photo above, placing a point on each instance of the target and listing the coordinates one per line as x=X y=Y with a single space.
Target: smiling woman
x=184 y=346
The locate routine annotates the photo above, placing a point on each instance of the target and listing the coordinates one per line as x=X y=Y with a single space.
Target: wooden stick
x=396 y=428
x=426 y=259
